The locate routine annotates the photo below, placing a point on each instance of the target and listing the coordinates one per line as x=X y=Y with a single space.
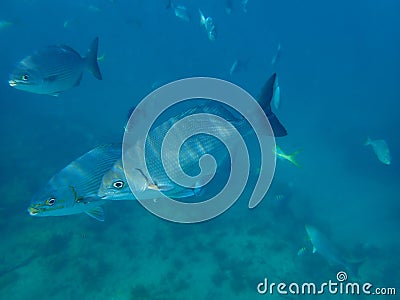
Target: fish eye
x=25 y=77
x=119 y=184
x=51 y=201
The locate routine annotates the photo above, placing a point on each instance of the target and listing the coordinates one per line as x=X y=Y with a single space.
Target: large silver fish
x=327 y=250
x=115 y=184
x=73 y=190
x=54 y=69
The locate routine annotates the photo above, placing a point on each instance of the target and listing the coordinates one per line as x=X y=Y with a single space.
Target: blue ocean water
x=338 y=71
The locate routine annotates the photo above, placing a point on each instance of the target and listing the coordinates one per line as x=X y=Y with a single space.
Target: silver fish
x=233 y=67
x=328 y=251
x=70 y=22
x=301 y=251
x=73 y=190
x=54 y=69
x=381 y=150
x=244 y=5
x=277 y=55
x=228 y=7
x=238 y=66
x=180 y=11
x=209 y=26
x=115 y=185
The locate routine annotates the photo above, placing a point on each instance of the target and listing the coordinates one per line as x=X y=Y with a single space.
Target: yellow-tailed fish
x=289 y=157
x=73 y=190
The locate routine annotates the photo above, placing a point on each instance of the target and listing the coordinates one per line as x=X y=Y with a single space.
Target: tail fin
x=354 y=267
x=265 y=102
x=291 y=158
x=367 y=141
x=91 y=59
x=202 y=18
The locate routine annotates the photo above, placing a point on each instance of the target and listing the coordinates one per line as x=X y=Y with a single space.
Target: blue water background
x=339 y=73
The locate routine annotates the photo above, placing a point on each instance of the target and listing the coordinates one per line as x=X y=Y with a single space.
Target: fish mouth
x=33 y=211
x=12 y=82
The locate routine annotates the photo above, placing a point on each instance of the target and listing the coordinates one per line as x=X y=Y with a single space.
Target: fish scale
x=194 y=148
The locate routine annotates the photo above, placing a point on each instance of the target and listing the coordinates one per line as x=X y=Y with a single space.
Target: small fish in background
x=156 y=84
x=101 y=57
x=70 y=23
x=94 y=8
x=276 y=56
x=280 y=202
x=209 y=26
x=73 y=190
x=54 y=69
x=238 y=66
x=179 y=10
x=289 y=157
x=228 y=7
x=301 y=251
x=244 y=5
x=5 y=24
x=330 y=252
x=280 y=197
x=276 y=98
x=234 y=67
x=381 y=150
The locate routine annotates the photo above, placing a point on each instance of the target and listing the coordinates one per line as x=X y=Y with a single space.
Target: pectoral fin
x=184 y=193
x=160 y=188
x=51 y=78
x=79 y=80
x=96 y=213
